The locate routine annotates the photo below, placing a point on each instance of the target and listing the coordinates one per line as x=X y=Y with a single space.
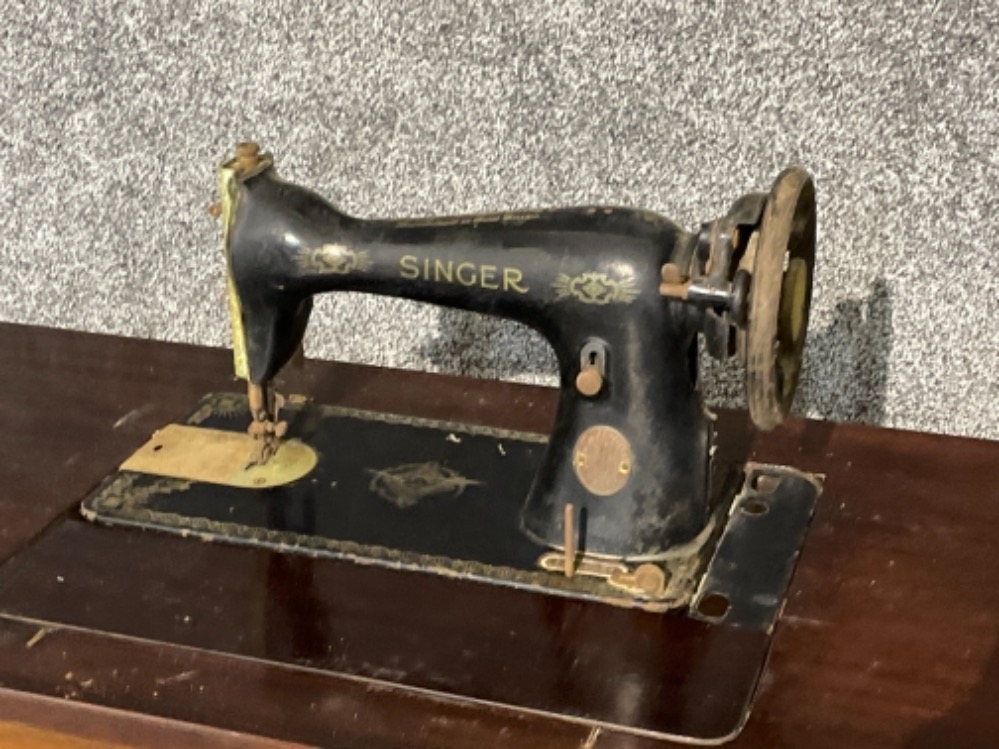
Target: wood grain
x=890 y=637
x=29 y=721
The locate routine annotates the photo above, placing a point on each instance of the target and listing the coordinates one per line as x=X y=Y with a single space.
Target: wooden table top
x=890 y=637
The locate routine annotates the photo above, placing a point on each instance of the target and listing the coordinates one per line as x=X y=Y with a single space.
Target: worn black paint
x=650 y=394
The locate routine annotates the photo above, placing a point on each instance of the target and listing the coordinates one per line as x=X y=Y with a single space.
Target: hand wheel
x=780 y=297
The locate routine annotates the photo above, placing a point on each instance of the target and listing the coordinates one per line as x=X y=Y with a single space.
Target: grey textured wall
x=114 y=115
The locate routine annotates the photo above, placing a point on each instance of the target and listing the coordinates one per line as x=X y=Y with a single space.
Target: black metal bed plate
x=746 y=580
x=445 y=498
x=460 y=520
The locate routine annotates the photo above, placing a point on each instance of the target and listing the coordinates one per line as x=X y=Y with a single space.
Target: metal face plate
x=215 y=456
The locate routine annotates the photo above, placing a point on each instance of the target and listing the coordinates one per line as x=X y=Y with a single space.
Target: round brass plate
x=602 y=459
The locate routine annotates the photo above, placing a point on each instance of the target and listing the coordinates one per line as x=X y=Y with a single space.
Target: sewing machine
x=621 y=504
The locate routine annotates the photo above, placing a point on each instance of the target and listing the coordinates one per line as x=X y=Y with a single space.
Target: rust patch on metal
x=405 y=485
x=247 y=153
x=602 y=460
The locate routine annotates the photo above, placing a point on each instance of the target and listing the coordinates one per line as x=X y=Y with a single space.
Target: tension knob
x=592 y=368
x=589 y=382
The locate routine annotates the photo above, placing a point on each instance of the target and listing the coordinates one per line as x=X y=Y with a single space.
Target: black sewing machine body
x=625 y=502
x=579 y=276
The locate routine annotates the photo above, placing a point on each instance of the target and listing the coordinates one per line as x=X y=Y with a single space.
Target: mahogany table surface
x=890 y=635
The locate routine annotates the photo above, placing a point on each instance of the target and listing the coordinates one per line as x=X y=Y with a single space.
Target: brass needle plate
x=218 y=457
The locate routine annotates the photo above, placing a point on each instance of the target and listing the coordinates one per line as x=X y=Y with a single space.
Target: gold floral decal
x=333 y=258
x=407 y=484
x=122 y=492
x=596 y=288
x=226 y=405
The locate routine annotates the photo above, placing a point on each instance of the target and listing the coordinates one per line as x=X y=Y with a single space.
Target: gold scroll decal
x=595 y=288
x=217 y=457
x=463 y=273
x=333 y=258
x=405 y=485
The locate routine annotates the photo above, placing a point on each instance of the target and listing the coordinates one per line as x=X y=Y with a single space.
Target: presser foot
x=266 y=441
x=266 y=428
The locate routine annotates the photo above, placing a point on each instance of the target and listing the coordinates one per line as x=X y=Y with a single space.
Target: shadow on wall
x=846 y=362
x=489 y=347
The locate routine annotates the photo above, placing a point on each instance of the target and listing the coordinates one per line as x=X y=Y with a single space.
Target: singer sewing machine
x=623 y=504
